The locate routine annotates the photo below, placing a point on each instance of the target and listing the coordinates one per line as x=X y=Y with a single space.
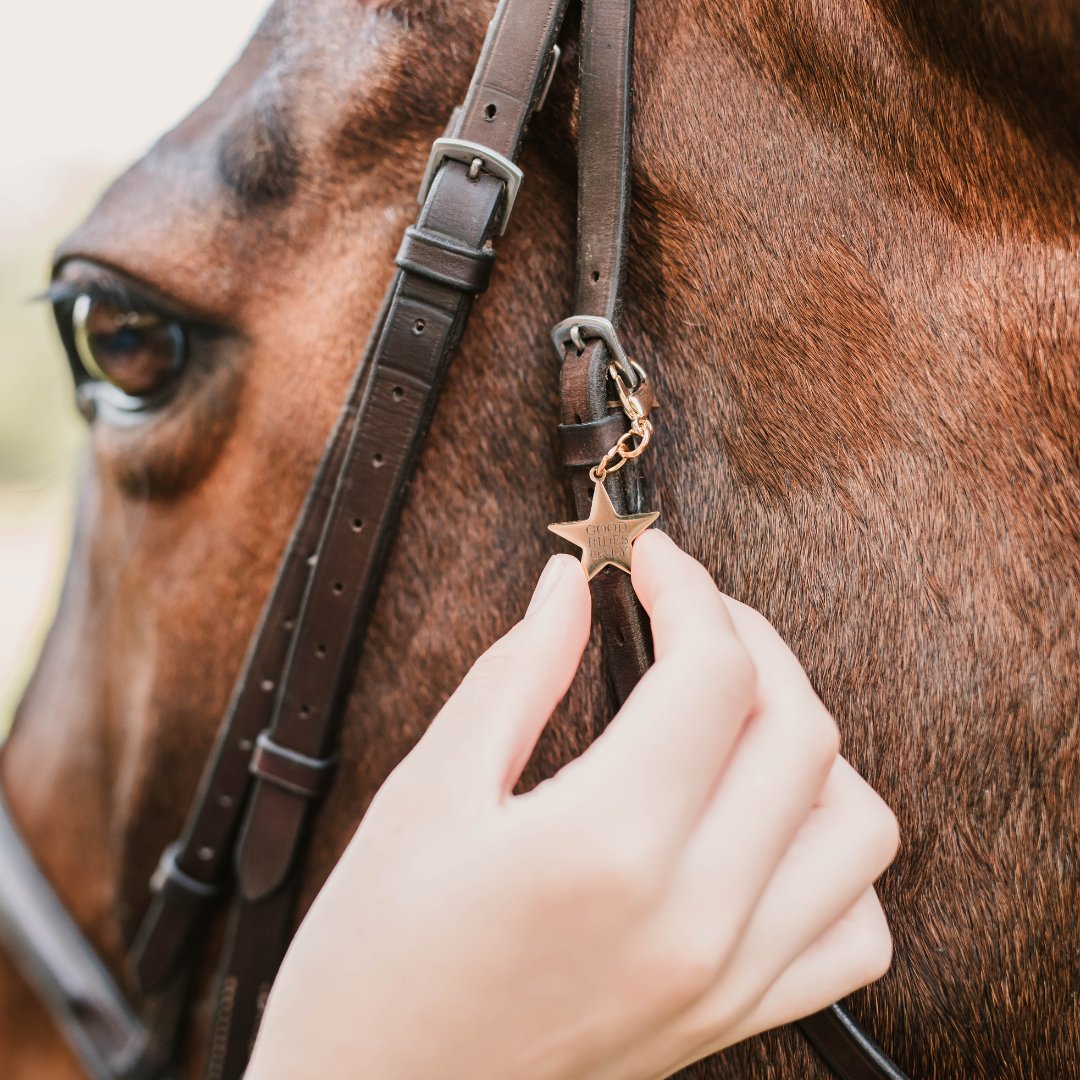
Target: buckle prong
x=578 y=328
x=471 y=153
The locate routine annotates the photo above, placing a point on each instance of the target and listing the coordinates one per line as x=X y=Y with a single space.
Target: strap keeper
x=168 y=873
x=290 y=770
x=583 y=445
x=439 y=258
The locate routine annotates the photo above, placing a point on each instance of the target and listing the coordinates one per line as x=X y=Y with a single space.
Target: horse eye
x=138 y=352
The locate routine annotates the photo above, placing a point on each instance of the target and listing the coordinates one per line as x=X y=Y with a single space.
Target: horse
x=854 y=276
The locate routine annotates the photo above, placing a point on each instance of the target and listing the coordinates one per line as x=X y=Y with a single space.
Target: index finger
x=678 y=593
x=652 y=772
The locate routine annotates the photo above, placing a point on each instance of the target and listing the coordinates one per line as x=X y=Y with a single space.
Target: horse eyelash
x=115 y=291
x=110 y=291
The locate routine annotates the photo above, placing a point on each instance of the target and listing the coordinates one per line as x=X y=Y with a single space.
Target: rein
x=276 y=748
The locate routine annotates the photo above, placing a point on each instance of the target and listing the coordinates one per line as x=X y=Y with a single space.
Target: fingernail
x=657 y=531
x=654 y=532
x=547 y=584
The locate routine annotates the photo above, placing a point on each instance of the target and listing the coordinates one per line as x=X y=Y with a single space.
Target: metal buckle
x=469 y=152
x=594 y=326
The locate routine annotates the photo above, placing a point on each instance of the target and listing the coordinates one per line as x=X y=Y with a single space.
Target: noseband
x=243 y=841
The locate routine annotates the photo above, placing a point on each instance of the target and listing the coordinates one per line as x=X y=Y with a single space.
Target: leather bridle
x=274 y=757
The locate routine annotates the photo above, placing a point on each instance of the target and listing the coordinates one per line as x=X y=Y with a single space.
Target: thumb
x=495 y=717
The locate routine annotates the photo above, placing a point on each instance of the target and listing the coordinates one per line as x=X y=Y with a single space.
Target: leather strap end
x=270 y=840
x=287 y=782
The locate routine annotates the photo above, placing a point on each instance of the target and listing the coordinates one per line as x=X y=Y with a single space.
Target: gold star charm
x=605 y=538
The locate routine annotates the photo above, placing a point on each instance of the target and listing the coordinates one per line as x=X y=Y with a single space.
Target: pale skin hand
x=704 y=871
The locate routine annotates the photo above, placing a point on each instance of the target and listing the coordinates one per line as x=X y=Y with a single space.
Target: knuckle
x=625 y=871
x=725 y=658
x=682 y=962
x=826 y=737
x=689 y=971
x=499 y=661
x=879 y=954
x=600 y=868
x=877 y=832
x=865 y=945
x=887 y=831
x=752 y=619
x=875 y=944
x=743 y=672
x=819 y=740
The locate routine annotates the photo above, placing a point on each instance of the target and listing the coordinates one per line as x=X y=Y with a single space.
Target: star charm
x=605 y=538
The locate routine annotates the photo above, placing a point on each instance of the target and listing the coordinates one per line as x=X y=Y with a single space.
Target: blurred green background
x=84 y=89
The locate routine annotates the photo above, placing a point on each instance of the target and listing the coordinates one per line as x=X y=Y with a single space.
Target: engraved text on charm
x=605 y=538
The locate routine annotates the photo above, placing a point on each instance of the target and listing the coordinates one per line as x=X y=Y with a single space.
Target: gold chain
x=637 y=404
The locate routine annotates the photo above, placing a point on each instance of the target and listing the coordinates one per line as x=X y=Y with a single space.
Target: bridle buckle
x=468 y=153
x=579 y=328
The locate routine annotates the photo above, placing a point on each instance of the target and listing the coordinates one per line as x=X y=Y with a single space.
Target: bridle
x=274 y=757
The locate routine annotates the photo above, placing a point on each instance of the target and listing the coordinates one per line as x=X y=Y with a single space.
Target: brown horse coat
x=854 y=274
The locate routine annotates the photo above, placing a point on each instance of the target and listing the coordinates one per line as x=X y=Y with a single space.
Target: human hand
x=704 y=871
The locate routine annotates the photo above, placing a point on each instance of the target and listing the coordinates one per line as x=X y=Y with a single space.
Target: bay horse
x=854 y=273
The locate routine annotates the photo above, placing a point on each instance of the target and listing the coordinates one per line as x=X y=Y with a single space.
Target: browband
x=276 y=747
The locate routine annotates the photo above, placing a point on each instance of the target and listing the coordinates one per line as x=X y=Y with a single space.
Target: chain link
x=636 y=403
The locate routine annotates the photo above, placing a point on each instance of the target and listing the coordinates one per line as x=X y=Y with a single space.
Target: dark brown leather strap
x=846 y=1048
x=405 y=372
x=588 y=422
x=204 y=852
x=441 y=259
x=443 y=262
x=442 y=269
